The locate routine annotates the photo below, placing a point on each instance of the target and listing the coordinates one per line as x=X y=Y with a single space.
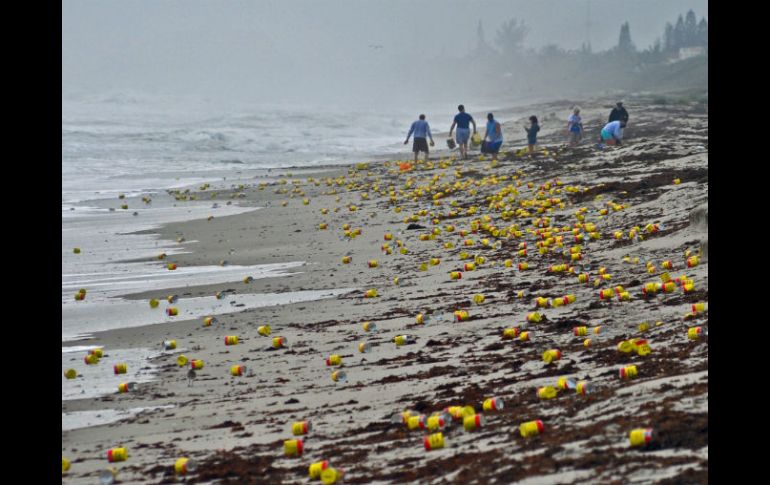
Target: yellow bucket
x=330 y=476
x=117 y=454
x=334 y=360
x=315 y=469
x=640 y=436
x=300 y=427
x=292 y=447
x=434 y=441
x=279 y=342
x=493 y=404
x=473 y=422
x=531 y=428
x=628 y=372
x=264 y=330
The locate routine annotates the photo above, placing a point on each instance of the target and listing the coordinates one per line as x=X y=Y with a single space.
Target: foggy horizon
x=358 y=52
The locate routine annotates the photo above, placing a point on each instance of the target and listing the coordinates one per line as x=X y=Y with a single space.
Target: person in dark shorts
x=462 y=121
x=421 y=129
x=532 y=134
x=493 y=139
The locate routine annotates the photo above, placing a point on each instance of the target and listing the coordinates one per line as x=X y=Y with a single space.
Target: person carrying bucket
x=493 y=139
x=421 y=129
x=462 y=120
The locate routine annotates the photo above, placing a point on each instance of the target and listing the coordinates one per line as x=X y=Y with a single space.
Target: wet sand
x=235 y=426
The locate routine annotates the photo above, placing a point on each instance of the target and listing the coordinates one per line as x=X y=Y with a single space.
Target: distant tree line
x=506 y=65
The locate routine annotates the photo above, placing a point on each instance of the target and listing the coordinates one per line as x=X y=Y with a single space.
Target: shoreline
x=436 y=371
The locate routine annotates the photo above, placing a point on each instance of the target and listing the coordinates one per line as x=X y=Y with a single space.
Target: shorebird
x=190 y=377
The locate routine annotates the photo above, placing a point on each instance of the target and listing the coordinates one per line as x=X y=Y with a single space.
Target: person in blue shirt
x=420 y=128
x=493 y=139
x=462 y=121
x=612 y=133
x=532 y=134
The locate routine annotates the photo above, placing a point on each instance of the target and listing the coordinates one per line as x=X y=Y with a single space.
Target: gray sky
x=286 y=49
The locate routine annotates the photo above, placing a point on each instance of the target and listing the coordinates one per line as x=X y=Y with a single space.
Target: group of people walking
x=611 y=134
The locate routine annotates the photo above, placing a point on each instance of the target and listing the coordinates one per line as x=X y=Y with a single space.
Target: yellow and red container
x=434 y=441
x=547 y=392
x=640 y=437
x=91 y=359
x=469 y=267
x=628 y=372
x=172 y=311
x=606 y=294
x=523 y=266
x=183 y=466
x=315 y=469
x=196 y=364
x=669 y=286
x=531 y=428
x=694 y=333
x=300 y=428
x=473 y=422
x=171 y=266
x=524 y=336
x=642 y=347
x=455 y=275
x=370 y=293
x=415 y=421
x=334 y=359
x=693 y=261
x=120 y=368
x=699 y=307
x=237 y=370
x=181 y=361
x=292 y=447
x=339 y=376
x=511 y=333
x=346 y=259
x=117 y=454
x=461 y=315
x=534 y=317
x=668 y=264
x=580 y=331
x=551 y=355
x=279 y=342
x=231 y=340
x=436 y=422
x=582 y=388
x=330 y=476
x=493 y=404
x=372 y=263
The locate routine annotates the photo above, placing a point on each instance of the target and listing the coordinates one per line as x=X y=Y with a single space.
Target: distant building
x=688 y=52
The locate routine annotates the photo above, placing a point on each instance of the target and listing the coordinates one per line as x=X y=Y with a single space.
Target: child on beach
x=532 y=134
x=575 y=127
x=493 y=139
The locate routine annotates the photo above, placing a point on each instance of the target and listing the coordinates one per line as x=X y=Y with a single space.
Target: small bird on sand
x=190 y=377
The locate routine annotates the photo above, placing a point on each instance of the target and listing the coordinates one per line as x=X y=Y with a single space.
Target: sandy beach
x=235 y=427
